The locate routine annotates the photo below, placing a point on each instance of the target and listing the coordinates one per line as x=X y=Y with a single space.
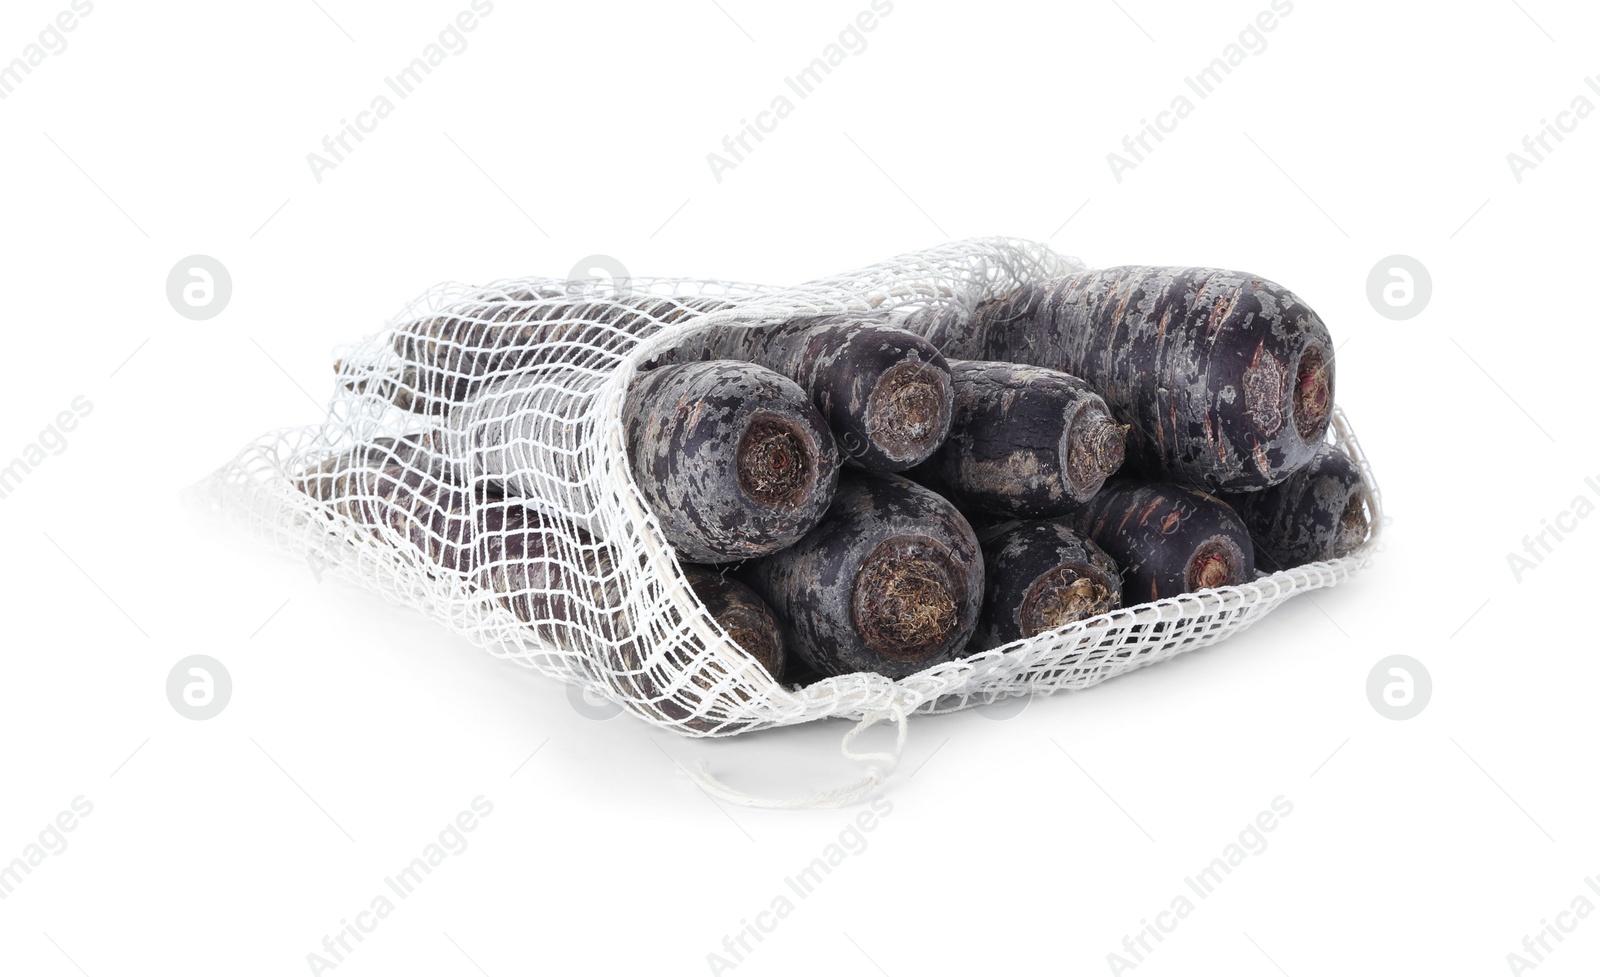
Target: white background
x=1028 y=840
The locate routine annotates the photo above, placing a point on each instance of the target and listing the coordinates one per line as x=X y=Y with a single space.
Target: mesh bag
x=566 y=570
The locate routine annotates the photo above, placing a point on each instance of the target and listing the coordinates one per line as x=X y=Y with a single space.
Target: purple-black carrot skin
x=449 y=357
x=566 y=587
x=532 y=436
x=557 y=580
x=730 y=457
x=951 y=329
x=528 y=562
x=1226 y=378
x=402 y=486
x=742 y=613
x=531 y=565
x=554 y=579
x=797 y=674
x=1318 y=513
x=884 y=391
x=1025 y=441
x=1168 y=540
x=329 y=480
x=1040 y=575
x=891 y=582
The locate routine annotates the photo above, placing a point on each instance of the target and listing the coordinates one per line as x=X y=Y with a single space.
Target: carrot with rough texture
x=742 y=613
x=951 y=328
x=562 y=584
x=1168 y=540
x=1040 y=575
x=329 y=480
x=446 y=359
x=885 y=392
x=1024 y=441
x=1226 y=378
x=891 y=582
x=1318 y=513
x=730 y=457
x=568 y=589
x=400 y=485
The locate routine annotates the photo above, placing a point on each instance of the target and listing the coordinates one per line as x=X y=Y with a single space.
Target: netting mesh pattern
x=472 y=467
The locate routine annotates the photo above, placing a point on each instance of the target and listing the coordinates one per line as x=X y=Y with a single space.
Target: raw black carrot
x=1226 y=378
x=1167 y=539
x=1040 y=575
x=797 y=674
x=328 y=481
x=891 y=582
x=448 y=358
x=1024 y=441
x=884 y=391
x=547 y=576
x=952 y=329
x=1318 y=513
x=398 y=484
x=731 y=457
x=568 y=589
x=559 y=581
x=742 y=613
x=555 y=579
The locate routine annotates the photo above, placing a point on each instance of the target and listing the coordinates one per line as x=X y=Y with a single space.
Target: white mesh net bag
x=530 y=538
